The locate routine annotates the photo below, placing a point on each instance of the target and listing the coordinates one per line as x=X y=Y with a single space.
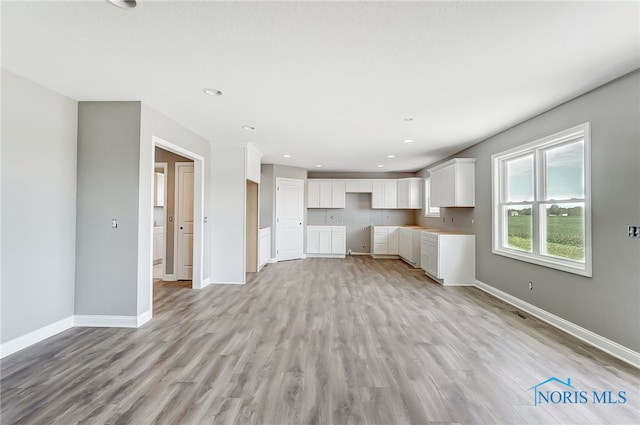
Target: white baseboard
x=272 y=260
x=205 y=282
x=621 y=352
x=143 y=318
x=227 y=283
x=106 y=321
x=325 y=255
x=24 y=341
x=170 y=278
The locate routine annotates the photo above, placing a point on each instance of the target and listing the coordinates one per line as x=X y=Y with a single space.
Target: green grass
x=564 y=235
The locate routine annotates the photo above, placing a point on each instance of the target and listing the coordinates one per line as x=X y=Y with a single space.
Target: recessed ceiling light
x=380 y=166
x=124 y=4
x=391 y=156
x=248 y=127
x=318 y=165
x=408 y=119
x=286 y=156
x=212 y=92
x=409 y=141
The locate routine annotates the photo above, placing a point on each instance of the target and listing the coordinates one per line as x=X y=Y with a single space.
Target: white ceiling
x=329 y=82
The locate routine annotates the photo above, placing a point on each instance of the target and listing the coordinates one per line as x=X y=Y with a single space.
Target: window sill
x=582 y=269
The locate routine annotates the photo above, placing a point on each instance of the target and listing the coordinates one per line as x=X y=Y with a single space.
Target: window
x=541 y=202
x=429 y=211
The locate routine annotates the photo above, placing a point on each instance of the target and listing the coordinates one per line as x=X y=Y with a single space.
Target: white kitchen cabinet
x=359 y=186
x=409 y=245
x=410 y=193
x=385 y=194
x=264 y=246
x=453 y=183
x=384 y=241
x=448 y=258
x=326 y=241
x=325 y=193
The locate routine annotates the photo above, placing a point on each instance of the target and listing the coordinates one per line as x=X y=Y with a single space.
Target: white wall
x=153 y=124
x=38 y=206
x=228 y=214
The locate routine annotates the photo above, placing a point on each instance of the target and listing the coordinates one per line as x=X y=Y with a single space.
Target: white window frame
x=429 y=211
x=498 y=175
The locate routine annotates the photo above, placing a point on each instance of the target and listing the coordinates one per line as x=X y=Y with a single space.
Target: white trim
x=227 y=283
x=536 y=149
x=143 y=318
x=325 y=255
x=272 y=260
x=170 y=278
x=33 y=337
x=206 y=282
x=619 y=351
x=105 y=321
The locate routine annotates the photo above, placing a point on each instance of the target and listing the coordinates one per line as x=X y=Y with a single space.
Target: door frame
x=165 y=168
x=198 y=280
x=176 y=213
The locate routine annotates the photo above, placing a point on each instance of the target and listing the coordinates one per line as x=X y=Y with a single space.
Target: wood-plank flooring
x=317 y=341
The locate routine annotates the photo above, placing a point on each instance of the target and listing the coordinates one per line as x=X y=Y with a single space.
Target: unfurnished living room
x=323 y=212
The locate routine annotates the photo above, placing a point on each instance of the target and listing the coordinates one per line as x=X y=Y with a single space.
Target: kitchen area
x=378 y=217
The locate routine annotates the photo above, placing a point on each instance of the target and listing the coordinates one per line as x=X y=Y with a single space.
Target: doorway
x=289 y=219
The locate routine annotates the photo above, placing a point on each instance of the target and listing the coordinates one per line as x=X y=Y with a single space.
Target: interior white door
x=289 y=219
x=184 y=220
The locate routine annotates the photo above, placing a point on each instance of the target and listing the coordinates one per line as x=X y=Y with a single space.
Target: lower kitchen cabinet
x=326 y=241
x=448 y=258
x=384 y=241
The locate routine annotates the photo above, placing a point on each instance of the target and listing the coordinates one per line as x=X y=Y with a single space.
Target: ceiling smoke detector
x=124 y=4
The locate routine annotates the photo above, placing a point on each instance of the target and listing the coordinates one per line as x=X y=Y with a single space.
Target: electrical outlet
x=634 y=231
x=530 y=286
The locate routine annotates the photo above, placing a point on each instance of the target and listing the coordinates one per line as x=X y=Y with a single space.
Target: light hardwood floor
x=319 y=341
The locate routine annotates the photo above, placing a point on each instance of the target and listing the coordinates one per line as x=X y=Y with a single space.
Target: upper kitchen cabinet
x=385 y=194
x=453 y=183
x=359 y=186
x=410 y=193
x=325 y=193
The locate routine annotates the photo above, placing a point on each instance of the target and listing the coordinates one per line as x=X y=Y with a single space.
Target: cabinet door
x=338 y=194
x=313 y=194
x=338 y=240
x=404 y=188
x=352 y=186
x=377 y=195
x=415 y=193
x=393 y=240
x=325 y=193
x=432 y=260
x=390 y=194
x=324 y=240
x=405 y=244
x=313 y=240
x=443 y=187
x=365 y=186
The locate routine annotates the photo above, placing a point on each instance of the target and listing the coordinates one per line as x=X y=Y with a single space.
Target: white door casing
x=289 y=219
x=184 y=219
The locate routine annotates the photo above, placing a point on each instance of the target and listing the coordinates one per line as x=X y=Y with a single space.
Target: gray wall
x=609 y=302
x=108 y=163
x=38 y=206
